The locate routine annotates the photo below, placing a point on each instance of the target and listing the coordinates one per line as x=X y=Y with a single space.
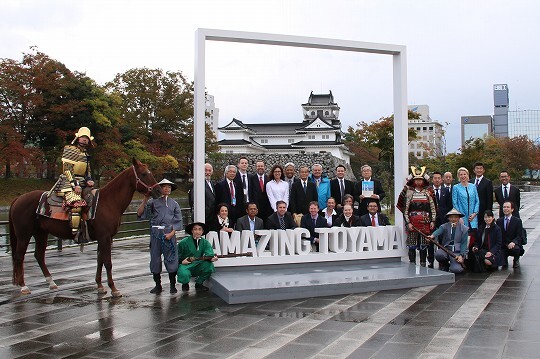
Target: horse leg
x=100 y=288
x=107 y=262
x=39 y=254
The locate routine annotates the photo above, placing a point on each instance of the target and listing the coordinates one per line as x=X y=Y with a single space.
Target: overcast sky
x=456 y=51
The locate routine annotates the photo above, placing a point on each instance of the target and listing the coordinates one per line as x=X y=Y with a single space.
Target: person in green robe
x=190 y=251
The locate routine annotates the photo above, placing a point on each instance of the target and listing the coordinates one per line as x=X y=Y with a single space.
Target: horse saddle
x=52 y=206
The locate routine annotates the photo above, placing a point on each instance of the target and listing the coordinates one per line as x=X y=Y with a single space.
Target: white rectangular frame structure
x=398 y=52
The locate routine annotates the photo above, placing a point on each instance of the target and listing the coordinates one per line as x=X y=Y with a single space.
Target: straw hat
x=166 y=181
x=455 y=212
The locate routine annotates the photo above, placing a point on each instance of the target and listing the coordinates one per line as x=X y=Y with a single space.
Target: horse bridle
x=138 y=180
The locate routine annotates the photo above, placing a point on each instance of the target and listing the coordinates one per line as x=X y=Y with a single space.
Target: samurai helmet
x=83 y=131
x=418 y=174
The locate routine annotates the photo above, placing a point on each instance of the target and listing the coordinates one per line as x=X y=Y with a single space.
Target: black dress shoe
x=156 y=290
x=430 y=265
x=516 y=263
x=185 y=287
x=200 y=287
x=174 y=290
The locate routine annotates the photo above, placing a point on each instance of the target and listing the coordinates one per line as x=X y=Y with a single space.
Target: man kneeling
x=453 y=236
x=196 y=257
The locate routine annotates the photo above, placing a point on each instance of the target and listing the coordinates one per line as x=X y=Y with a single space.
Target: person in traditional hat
x=454 y=236
x=165 y=219
x=192 y=251
x=418 y=208
x=75 y=183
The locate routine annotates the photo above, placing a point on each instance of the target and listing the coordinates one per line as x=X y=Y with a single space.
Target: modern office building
x=500 y=110
x=430 y=134
x=475 y=127
x=212 y=114
x=524 y=123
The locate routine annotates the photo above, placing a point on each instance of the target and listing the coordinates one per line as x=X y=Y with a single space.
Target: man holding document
x=367 y=189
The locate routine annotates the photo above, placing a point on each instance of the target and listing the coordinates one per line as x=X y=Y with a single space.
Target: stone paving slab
x=481 y=314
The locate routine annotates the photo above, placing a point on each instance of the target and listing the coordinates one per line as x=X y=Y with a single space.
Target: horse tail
x=12 y=240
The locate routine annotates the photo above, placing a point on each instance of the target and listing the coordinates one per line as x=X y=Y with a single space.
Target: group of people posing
x=285 y=198
x=459 y=217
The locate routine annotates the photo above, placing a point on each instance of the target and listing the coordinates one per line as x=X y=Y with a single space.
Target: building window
x=264 y=140
x=326 y=113
x=325 y=137
x=431 y=128
x=424 y=128
x=311 y=137
x=291 y=140
x=229 y=151
x=418 y=129
x=312 y=113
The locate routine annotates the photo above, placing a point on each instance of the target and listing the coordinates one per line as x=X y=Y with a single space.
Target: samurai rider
x=191 y=250
x=75 y=184
x=165 y=219
x=419 y=212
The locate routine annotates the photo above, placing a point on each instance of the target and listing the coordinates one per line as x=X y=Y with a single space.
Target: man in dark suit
x=312 y=221
x=280 y=219
x=244 y=179
x=209 y=194
x=232 y=194
x=340 y=186
x=448 y=182
x=378 y=191
x=347 y=218
x=302 y=193
x=374 y=218
x=484 y=187
x=512 y=231
x=258 y=183
x=250 y=222
x=507 y=192
x=443 y=198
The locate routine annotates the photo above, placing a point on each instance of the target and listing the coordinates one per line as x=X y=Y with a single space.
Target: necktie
x=261 y=183
x=373 y=220
x=313 y=222
x=505 y=193
x=281 y=223
x=210 y=185
x=477 y=182
x=437 y=194
x=342 y=188
x=506 y=220
x=231 y=189
x=304 y=182
x=244 y=181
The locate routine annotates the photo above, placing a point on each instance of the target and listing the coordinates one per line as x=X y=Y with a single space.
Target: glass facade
x=475 y=130
x=526 y=122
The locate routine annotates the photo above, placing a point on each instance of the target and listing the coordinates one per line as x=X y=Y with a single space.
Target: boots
x=157 y=289
x=172 y=279
x=423 y=256
x=412 y=255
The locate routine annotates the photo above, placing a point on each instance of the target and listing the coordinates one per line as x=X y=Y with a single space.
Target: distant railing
x=126 y=231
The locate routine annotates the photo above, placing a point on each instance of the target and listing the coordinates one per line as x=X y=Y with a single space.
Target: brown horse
x=114 y=198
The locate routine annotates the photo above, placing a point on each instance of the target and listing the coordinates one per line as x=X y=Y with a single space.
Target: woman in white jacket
x=277 y=189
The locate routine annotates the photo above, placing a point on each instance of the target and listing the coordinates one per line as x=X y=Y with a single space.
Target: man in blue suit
x=312 y=221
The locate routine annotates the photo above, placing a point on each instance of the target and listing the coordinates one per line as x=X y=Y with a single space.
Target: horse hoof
x=116 y=294
x=102 y=290
x=25 y=290
x=53 y=286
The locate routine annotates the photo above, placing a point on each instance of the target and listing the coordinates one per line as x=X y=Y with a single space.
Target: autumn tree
x=43 y=103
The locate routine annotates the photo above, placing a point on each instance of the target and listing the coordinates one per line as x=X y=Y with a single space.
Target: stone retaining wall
x=328 y=162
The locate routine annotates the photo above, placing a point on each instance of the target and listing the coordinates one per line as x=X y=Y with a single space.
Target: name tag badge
x=233 y=202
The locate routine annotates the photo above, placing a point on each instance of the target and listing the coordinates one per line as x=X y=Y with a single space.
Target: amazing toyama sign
x=293 y=245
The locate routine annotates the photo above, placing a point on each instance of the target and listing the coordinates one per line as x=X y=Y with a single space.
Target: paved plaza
x=493 y=315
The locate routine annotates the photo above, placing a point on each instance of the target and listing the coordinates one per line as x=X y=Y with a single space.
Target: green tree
x=157 y=110
x=374 y=144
